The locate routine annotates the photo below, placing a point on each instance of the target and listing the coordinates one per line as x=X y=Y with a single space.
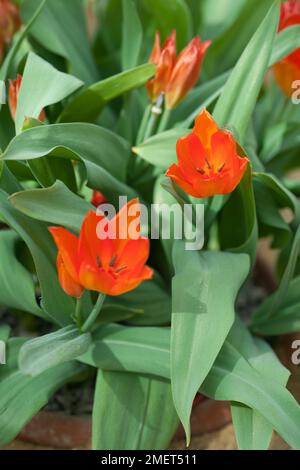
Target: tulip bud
x=186 y=71
x=9 y=23
x=98 y=198
x=164 y=59
x=14 y=90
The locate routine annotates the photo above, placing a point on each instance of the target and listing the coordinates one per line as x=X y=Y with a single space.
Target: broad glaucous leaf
x=25 y=394
x=86 y=106
x=168 y=16
x=234 y=109
x=14 y=277
x=8 y=60
x=160 y=150
x=45 y=352
x=202 y=315
x=140 y=415
x=226 y=49
x=35 y=234
x=271 y=308
x=104 y=154
x=61 y=29
x=253 y=431
x=286 y=42
x=150 y=299
x=42 y=85
x=57 y=205
x=285 y=320
x=236 y=104
x=132 y=35
x=144 y=350
x=232 y=378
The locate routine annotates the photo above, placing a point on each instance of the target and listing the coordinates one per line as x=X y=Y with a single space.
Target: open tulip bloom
x=111 y=265
x=150 y=221
x=208 y=162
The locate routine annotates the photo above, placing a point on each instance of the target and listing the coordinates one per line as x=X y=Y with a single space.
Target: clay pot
x=60 y=431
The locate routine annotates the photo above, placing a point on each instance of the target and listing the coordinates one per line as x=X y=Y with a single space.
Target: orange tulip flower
x=14 y=90
x=208 y=162
x=113 y=266
x=287 y=70
x=175 y=77
x=9 y=23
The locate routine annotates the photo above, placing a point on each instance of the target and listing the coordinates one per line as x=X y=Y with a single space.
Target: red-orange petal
x=95 y=279
x=124 y=223
x=156 y=51
x=223 y=150
x=164 y=59
x=14 y=89
x=68 y=284
x=93 y=250
x=211 y=187
x=67 y=244
x=191 y=156
x=205 y=127
x=175 y=173
x=98 y=198
x=286 y=72
x=125 y=285
x=185 y=72
x=135 y=253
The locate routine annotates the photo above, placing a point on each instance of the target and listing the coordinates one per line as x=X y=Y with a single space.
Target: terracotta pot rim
x=59 y=430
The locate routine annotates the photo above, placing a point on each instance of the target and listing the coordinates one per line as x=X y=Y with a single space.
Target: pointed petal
x=69 y=285
x=135 y=253
x=205 y=127
x=92 y=249
x=67 y=244
x=191 y=156
x=126 y=224
x=176 y=175
x=156 y=51
x=223 y=150
x=129 y=284
x=185 y=72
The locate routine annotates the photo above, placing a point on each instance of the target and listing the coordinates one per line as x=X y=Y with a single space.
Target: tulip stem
x=151 y=126
x=94 y=314
x=142 y=130
x=163 y=125
x=77 y=315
